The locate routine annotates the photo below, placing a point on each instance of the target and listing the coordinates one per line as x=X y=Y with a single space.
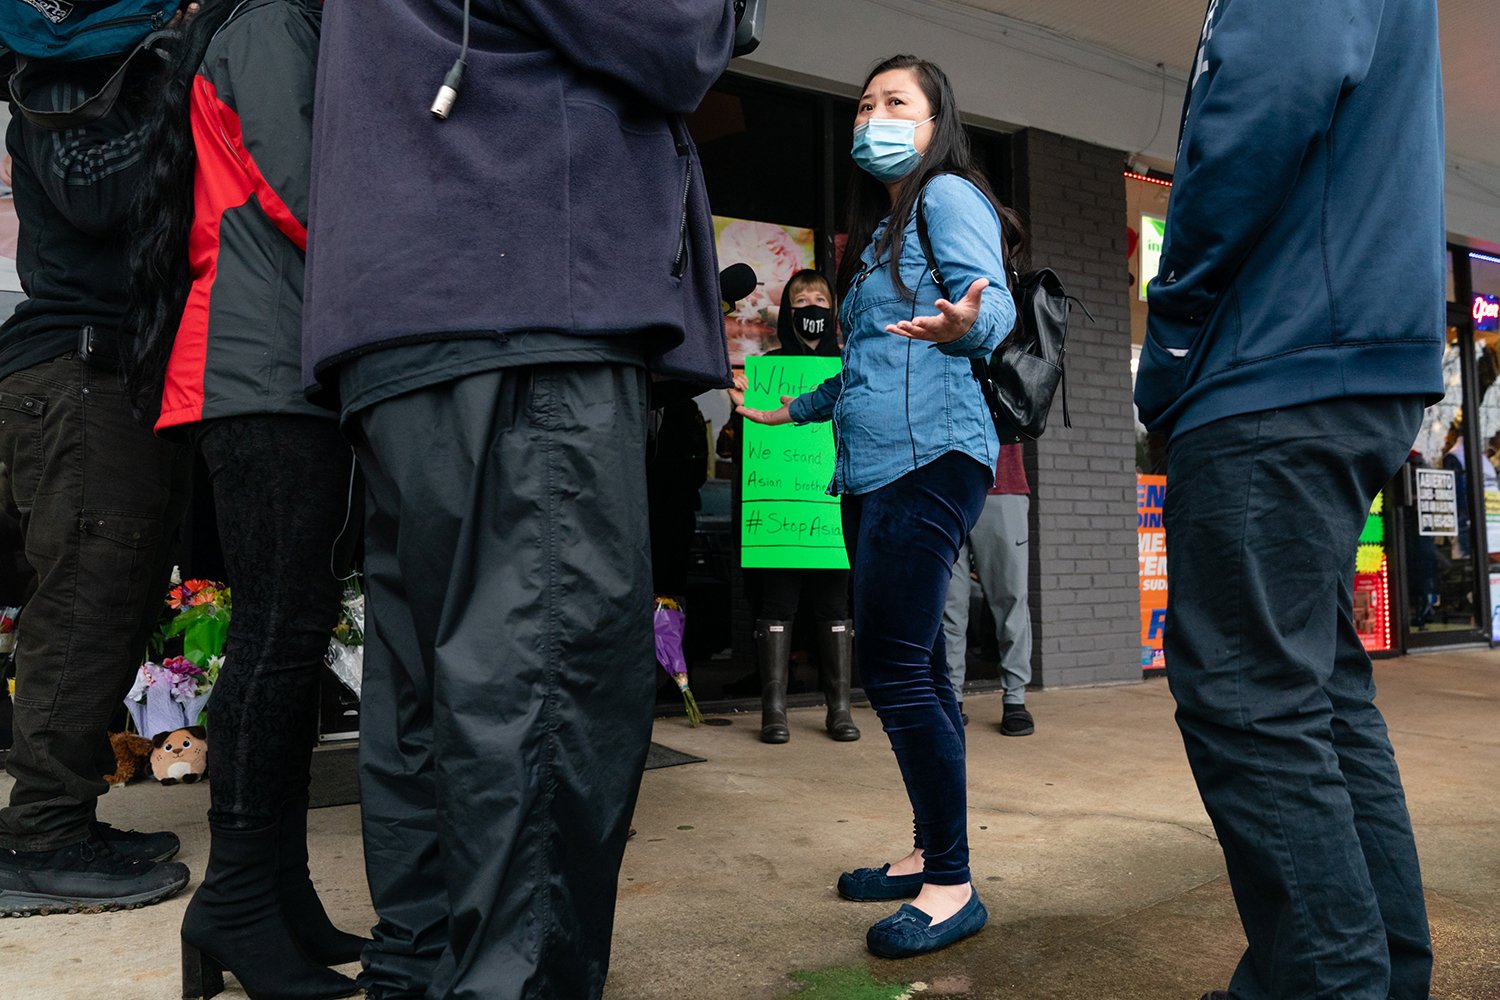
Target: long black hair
x=162 y=219
x=947 y=153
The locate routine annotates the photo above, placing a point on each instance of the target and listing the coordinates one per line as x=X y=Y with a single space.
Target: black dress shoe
x=1216 y=995
x=136 y=846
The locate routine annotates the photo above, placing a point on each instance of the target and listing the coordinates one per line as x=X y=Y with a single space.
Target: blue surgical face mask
x=886 y=148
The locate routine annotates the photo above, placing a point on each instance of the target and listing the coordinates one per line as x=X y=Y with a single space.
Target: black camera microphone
x=448 y=92
x=737 y=281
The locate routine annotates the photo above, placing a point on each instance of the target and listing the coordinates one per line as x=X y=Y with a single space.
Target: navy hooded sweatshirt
x=1304 y=254
x=562 y=196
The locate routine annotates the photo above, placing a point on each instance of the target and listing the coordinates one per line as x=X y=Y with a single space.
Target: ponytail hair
x=161 y=219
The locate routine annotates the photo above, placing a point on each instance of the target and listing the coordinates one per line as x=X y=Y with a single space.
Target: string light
x=1131 y=175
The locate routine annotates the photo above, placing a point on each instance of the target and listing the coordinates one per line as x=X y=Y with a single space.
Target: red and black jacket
x=238 y=349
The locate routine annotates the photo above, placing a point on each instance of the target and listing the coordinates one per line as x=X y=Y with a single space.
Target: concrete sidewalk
x=1090 y=848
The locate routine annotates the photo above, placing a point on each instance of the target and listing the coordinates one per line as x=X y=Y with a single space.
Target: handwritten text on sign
x=1437 y=502
x=788 y=520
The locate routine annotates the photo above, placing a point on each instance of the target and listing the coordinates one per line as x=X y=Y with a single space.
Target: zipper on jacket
x=155 y=19
x=679 y=262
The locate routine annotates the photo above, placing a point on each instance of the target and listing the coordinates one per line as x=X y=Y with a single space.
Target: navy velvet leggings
x=903 y=540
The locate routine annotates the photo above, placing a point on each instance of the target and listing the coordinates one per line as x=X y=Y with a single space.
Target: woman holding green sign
x=916 y=453
x=806 y=328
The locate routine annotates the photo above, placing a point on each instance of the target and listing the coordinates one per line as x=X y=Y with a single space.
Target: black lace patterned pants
x=280 y=484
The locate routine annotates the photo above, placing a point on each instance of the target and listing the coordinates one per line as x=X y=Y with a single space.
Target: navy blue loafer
x=869 y=885
x=909 y=931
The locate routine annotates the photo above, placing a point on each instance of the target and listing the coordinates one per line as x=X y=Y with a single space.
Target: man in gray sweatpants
x=1000 y=550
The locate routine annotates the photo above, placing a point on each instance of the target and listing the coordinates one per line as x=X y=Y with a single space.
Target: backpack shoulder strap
x=926 y=241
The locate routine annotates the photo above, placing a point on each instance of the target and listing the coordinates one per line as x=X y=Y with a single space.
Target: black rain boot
x=235 y=923
x=319 y=938
x=773 y=645
x=835 y=656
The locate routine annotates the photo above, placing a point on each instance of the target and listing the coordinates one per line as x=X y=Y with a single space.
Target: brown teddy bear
x=132 y=757
x=181 y=755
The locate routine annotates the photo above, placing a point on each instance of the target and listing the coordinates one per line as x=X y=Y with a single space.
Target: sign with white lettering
x=1486 y=313
x=787 y=519
x=1437 y=502
x=1153 y=236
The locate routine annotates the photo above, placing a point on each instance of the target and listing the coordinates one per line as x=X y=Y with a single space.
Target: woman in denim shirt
x=916 y=455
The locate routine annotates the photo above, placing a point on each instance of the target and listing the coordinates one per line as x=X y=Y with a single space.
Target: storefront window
x=1484 y=314
x=1146 y=211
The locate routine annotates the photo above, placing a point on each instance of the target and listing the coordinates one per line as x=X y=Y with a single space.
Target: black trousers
x=98 y=498
x=1276 y=702
x=509 y=677
x=782 y=590
x=281 y=486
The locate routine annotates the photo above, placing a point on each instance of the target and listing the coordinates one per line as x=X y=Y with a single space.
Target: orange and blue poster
x=1151 y=541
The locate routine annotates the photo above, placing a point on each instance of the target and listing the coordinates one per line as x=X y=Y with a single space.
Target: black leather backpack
x=1023 y=375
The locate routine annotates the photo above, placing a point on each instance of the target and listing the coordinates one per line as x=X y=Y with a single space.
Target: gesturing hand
x=952 y=321
x=780 y=415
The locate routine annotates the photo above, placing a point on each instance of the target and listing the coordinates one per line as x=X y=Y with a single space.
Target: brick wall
x=1085 y=600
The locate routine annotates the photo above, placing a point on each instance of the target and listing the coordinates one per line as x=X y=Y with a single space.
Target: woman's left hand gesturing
x=952 y=321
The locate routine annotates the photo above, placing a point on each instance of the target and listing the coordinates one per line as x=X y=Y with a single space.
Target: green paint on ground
x=846 y=983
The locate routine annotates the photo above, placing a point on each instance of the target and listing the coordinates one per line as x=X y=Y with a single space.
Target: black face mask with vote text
x=813 y=322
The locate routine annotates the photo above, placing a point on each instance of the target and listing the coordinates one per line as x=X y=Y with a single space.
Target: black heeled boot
x=835 y=662
x=235 y=923
x=319 y=938
x=773 y=646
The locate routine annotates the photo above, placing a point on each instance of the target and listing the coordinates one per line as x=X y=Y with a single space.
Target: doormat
x=335 y=771
x=660 y=756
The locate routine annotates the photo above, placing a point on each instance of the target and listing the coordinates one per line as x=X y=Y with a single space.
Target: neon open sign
x=1486 y=313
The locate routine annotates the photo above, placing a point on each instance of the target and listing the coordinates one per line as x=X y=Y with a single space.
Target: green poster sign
x=1153 y=235
x=787 y=518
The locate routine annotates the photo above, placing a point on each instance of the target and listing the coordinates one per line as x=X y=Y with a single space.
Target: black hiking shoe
x=136 y=846
x=82 y=878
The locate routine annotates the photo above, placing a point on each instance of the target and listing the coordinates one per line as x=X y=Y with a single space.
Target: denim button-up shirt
x=899 y=404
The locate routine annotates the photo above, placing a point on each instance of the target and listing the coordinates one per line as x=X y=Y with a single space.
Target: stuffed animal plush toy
x=181 y=755
x=132 y=757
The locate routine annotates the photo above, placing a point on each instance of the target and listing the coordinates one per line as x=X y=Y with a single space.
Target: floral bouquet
x=8 y=631
x=670 y=623
x=171 y=694
x=345 y=655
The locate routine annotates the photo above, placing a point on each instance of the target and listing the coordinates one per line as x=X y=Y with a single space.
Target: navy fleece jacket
x=1304 y=254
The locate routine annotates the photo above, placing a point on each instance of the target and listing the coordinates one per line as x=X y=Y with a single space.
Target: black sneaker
x=1017 y=721
x=82 y=878
x=137 y=846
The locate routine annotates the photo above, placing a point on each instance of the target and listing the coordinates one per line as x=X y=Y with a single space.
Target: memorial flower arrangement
x=171 y=692
x=669 y=624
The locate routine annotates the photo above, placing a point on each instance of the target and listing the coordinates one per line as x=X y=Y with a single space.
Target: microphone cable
x=448 y=92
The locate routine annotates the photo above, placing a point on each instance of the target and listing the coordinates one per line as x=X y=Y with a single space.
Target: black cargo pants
x=98 y=498
x=508 y=678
